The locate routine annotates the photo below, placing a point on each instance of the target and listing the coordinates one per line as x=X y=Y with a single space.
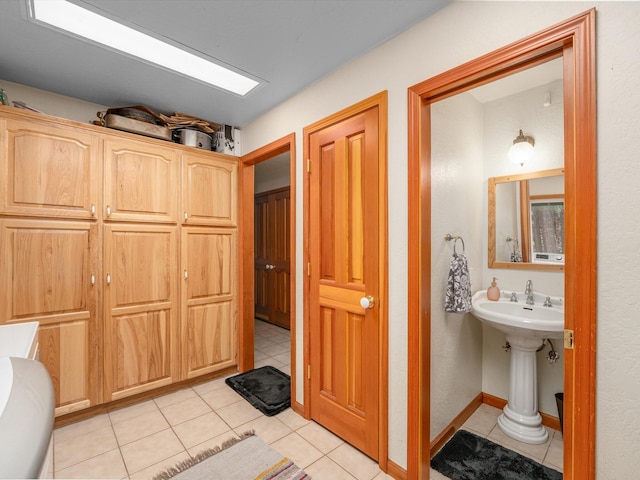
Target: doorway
x=573 y=41
x=256 y=343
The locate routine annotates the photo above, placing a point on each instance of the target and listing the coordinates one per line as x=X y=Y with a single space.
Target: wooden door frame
x=380 y=101
x=574 y=40
x=246 y=286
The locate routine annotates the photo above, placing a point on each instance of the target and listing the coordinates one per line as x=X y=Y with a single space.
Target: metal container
x=193 y=138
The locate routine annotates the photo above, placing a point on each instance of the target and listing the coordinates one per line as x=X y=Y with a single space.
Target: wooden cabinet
x=140 y=181
x=209 y=193
x=272 y=257
x=48 y=170
x=209 y=300
x=47 y=274
x=140 y=308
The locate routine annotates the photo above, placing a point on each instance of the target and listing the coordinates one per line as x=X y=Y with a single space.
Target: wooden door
x=209 y=300
x=210 y=190
x=47 y=274
x=140 y=181
x=344 y=268
x=272 y=257
x=48 y=170
x=140 y=308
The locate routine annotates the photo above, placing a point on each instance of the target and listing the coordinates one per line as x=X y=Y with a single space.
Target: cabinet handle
x=186 y=216
x=108 y=211
x=186 y=274
x=93 y=210
x=93 y=279
x=108 y=279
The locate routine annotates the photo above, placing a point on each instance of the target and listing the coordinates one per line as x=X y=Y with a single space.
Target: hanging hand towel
x=458 y=297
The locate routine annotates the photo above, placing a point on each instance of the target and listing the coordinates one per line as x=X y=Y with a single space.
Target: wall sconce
x=522 y=149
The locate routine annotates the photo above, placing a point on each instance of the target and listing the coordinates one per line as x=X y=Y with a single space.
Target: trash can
x=560 y=404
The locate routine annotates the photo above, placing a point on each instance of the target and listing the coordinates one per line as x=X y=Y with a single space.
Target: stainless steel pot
x=193 y=138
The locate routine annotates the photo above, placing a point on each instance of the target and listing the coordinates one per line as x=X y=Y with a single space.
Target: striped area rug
x=244 y=458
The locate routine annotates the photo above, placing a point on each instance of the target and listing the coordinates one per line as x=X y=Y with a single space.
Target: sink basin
x=520 y=319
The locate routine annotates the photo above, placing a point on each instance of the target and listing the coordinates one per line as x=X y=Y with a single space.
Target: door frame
x=574 y=40
x=246 y=333
x=380 y=101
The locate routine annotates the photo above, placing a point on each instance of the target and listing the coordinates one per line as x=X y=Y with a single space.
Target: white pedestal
x=520 y=418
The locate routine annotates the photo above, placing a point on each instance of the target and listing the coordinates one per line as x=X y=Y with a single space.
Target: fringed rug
x=244 y=458
x=266 y=388
x=470 y=457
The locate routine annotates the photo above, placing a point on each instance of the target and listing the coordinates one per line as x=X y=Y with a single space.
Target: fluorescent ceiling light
x=80 y=21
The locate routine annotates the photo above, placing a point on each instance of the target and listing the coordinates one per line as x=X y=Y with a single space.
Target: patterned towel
x=458 y=296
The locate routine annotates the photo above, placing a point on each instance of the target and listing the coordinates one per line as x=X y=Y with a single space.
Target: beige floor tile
x=269 y=361
x=383 y=476
x=554 y=457
x=155 y=469
x=186 y=410
x=83 y=447
x=221 y=397
x=209 y=386
x=286 y=369
x=297 y=449
x=200 y=429
x=258 y=355
x=238 y=413
x=327 y=468
x=535 y=452
x=275 y=349
x=106 y=465
x=284 y=358
x=284 y=338
x=175 y=397
x=263 y=343
x=140 y=427
x=150 y=450
x=481 y=422
x=269 y=429
x=354 y=462
x=212 y=443
x=435 y=475
x=123 y=414
x=320 y=437
x=291 y=419
x=496 y=412
x=80 y=428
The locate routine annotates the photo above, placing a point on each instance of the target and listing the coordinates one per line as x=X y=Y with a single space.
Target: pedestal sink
x=524 y=326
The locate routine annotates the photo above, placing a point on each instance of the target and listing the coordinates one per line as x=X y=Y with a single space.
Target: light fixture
x=522 y=149
x=96 y=28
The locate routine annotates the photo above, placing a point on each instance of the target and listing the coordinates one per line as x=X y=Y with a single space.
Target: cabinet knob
x=108 y=211
x=108 y=279
x=186 y=216
x=93 y=279
x=93 y=210
x=186 y=274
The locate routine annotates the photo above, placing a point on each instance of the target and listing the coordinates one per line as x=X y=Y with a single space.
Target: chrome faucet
x=528 y=291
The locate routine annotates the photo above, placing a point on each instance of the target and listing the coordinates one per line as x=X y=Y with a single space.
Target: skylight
x=89 y=25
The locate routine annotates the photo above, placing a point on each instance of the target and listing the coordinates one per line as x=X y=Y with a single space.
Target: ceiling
x=289 y=44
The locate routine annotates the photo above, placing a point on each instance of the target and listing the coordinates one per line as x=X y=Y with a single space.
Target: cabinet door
x=140 y=181
x=209 y=300
x=48 y=170
x=210 y=190
x=47 y=274
x=140 y=269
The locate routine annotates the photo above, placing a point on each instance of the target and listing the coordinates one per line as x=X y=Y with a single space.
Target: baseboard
x=396 y=471
x=457 y=422
x=547 y=420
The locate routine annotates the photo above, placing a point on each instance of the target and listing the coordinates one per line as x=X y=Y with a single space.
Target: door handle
x=367 y=302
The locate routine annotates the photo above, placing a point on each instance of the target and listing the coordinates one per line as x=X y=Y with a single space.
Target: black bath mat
x=266 y=388
x=469 y=457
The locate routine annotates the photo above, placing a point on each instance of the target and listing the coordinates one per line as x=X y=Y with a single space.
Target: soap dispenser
x=493 y=292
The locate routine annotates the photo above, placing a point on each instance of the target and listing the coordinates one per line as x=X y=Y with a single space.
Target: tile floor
x=139 y=441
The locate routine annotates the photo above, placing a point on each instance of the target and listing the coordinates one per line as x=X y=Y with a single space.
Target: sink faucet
x=528 y=291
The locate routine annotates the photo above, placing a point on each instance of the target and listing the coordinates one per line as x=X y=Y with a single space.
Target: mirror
x=526 y=221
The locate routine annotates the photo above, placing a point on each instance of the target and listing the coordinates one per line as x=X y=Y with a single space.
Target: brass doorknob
x=367 y=302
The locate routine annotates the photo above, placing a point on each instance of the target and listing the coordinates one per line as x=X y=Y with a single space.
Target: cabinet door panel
x=209 y=300
x=48 y=170
x=210 y=191
x=140 y=181
x=141 y=350
x=46 y=269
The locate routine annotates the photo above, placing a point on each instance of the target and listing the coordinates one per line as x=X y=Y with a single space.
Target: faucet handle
x=547 y=302
x=514 y=297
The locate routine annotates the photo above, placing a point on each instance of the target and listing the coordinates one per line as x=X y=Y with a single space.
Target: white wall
x=456 y=193
x=455 y=34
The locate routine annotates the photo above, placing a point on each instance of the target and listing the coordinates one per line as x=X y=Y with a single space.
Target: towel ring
x=448 y=237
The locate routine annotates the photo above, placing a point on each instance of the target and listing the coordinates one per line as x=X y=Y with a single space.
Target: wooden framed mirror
x=526 y=221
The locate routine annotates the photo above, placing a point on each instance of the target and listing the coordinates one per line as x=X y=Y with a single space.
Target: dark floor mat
x=470 y=457
x=266 y=388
